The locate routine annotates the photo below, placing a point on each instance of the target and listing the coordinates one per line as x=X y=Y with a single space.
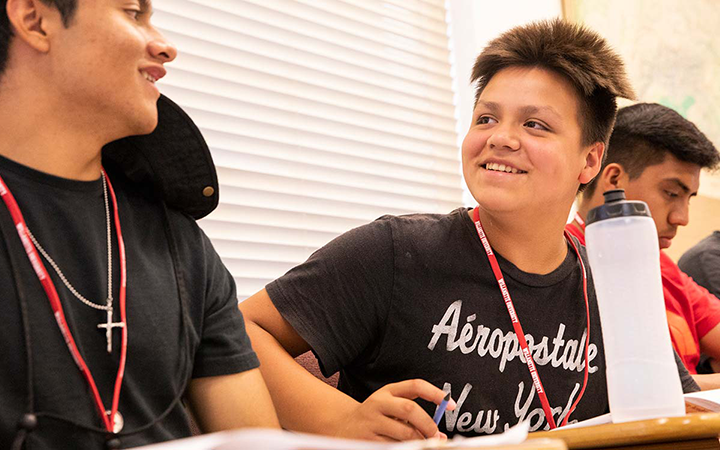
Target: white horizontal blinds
x=321 y=115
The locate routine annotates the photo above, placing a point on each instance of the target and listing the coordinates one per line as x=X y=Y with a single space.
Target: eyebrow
x=680 y=184
x=492 y=106
x=525 y=110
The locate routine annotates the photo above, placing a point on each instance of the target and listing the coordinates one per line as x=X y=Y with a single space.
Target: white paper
x=598 y=420
x=286 y=440
x=709 y=400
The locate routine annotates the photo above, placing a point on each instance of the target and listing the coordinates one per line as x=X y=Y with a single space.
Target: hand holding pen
x=391 y=413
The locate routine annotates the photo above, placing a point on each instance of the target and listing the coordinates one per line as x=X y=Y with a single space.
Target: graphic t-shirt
x=415 y=297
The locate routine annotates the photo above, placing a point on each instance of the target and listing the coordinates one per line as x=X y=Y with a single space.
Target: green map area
x=672 y=54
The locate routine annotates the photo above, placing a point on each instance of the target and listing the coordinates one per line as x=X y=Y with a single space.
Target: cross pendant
x=109 y=325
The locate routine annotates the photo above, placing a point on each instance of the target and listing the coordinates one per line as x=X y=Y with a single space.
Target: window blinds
x=321 y=115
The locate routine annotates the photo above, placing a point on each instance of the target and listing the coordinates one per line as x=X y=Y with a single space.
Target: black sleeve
x=338 y=300
x=688 y=384
x=224 y=345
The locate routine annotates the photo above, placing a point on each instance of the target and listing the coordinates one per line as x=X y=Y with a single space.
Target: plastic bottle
x=624 y=255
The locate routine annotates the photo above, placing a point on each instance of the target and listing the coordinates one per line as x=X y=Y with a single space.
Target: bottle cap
x=616 y=206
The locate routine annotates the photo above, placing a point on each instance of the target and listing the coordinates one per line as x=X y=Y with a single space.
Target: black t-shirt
x=68 y=219
x=415 y=297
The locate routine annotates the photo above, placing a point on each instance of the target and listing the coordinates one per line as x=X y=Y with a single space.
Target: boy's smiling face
x=106 y=63
x=523 y=149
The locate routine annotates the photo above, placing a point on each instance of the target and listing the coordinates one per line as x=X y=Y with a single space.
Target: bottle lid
x=616 y=206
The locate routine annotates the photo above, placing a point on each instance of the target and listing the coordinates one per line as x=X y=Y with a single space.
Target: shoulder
x=147 y=215
x=143 y=200
x=706 y=248
x=426 y=219
x=389 y=230
x=426 y=227
x=670 y=271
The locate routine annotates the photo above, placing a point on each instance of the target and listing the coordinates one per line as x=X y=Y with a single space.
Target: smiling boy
x=115 y=306
x=414 y=306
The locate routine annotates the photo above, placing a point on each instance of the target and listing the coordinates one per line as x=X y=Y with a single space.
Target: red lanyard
x=44 y=277
x=519 y=331
x=580 y=221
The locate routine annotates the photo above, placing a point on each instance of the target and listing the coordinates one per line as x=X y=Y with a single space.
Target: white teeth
x=502 y=168
x=148 y=77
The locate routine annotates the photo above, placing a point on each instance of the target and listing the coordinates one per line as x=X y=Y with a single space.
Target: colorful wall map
x=672 y=53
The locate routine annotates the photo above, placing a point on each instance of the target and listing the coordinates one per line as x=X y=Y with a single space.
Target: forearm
x=706 y=382
x=232 y=401
x=303 y=402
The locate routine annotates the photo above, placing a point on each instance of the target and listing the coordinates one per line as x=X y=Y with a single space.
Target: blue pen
x=440 y=410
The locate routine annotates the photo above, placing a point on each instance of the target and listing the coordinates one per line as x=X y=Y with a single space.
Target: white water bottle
x=624 y=255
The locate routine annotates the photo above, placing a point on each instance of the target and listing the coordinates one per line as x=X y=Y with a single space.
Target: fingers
x=408 y=411
x=396 y=430
x=416 y=388
x=391 y=414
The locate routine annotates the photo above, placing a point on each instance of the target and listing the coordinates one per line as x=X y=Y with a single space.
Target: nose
x=680 y=216
x=161 y=49
x=504 y=137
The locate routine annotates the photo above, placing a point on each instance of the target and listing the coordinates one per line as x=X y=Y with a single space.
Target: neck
x=532 y=244
x=42 y=132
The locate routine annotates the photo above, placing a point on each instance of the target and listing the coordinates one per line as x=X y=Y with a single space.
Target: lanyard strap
x=107 y=417
x=579 y=220
x=518 y=328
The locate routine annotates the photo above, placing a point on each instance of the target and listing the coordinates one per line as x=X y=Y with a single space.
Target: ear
x=33 y=22
x=613 y=176
x=593 y=162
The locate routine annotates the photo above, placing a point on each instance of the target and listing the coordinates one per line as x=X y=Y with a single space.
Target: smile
x=501 y=168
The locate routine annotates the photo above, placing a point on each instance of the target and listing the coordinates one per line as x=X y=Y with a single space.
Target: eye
x=535 y=125
x=482 y=120
x=133 y=13
x=671 y=194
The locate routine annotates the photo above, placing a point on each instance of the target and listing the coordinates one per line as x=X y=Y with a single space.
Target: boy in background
x=656 y=156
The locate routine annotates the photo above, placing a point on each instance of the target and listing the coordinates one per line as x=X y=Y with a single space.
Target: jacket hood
x=173 y=162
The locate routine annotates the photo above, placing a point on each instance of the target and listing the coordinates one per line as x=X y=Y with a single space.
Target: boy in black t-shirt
x=115 y=307
x=411 y=307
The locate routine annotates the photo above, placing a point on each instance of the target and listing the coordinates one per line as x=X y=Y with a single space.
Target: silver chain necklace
x=108 y=306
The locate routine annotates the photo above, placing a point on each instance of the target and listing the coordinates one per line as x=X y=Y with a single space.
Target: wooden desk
x=691 y=432
x=535 y=444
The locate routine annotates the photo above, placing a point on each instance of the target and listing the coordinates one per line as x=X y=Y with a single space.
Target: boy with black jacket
x=115 y=306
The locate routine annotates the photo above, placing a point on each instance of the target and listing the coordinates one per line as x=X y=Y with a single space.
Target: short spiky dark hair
x=67 y=11
x=646 y=133
x=573 y=51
